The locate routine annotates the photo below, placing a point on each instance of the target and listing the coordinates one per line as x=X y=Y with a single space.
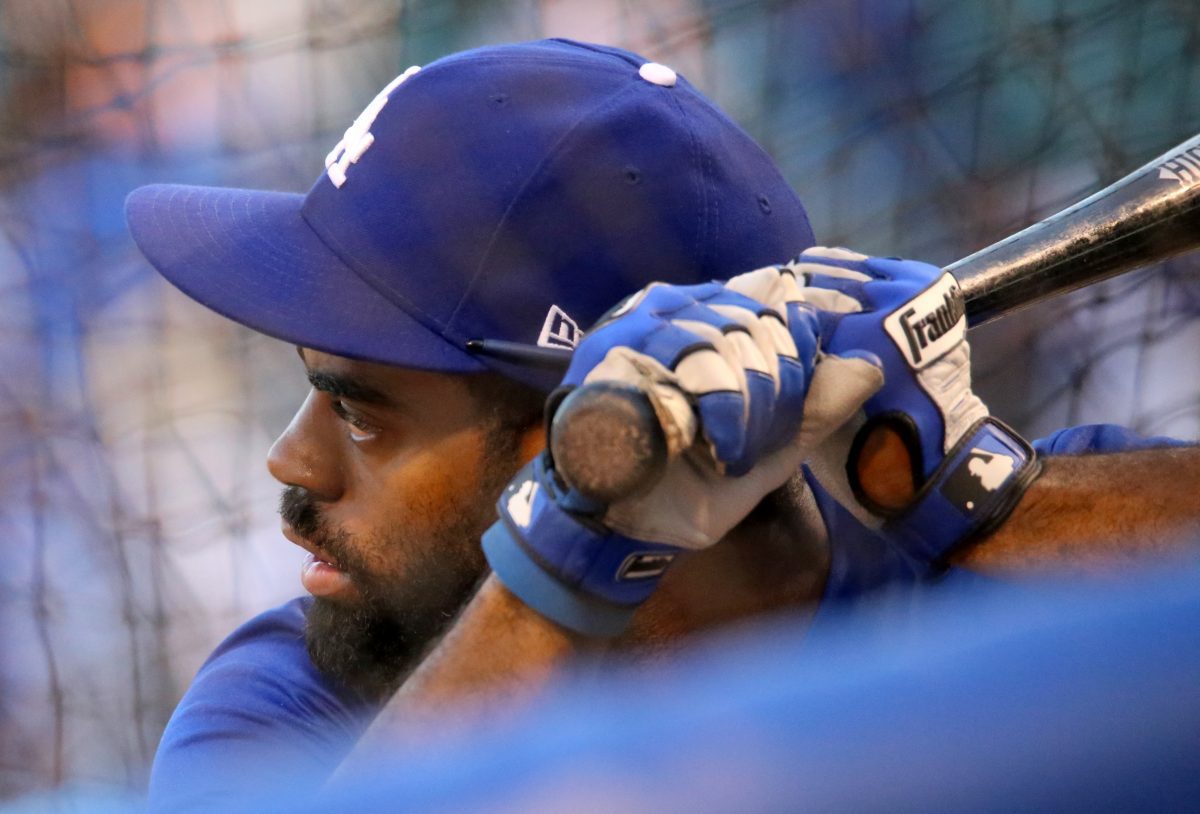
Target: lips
x=319 y=574
x=322 y=579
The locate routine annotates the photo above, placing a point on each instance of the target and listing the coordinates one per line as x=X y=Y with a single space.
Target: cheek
x=422 y=492
x=434 y=498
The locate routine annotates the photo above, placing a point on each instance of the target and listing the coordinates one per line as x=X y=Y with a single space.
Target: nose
x=306 y=453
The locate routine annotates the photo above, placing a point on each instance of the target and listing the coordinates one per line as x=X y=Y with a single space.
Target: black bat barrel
x=1148 y=216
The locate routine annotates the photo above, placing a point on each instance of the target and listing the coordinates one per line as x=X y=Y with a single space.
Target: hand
x=728 y=375
x=969 y=469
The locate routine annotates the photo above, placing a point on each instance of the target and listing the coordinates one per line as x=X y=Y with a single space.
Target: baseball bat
x=608 y=443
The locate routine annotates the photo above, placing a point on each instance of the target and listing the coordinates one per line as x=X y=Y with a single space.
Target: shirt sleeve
x=1099 y=438
x=257 y=714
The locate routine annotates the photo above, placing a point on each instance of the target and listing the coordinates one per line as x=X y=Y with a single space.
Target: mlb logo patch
x=979 y=475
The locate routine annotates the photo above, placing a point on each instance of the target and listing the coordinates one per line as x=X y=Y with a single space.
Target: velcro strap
x=564 y=564
x=977 y=486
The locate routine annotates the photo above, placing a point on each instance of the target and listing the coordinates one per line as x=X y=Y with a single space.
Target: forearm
x=498 y=647
x=500 y=652
x=1096 y=513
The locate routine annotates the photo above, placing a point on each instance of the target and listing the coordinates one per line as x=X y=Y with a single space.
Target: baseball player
x=478 y=216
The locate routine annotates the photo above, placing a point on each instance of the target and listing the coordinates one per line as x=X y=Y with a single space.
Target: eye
x=360 y=428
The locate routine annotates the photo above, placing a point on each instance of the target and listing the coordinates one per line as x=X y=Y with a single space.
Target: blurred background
x=137 y=519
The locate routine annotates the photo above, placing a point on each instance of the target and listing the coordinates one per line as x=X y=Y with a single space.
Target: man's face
x=391 y=476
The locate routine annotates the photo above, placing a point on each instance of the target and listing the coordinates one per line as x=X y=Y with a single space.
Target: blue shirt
x=259 y=713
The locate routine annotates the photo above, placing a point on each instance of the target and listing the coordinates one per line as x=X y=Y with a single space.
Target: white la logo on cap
x=357 y=138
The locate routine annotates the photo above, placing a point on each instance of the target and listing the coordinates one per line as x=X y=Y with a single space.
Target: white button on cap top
x=657 y=74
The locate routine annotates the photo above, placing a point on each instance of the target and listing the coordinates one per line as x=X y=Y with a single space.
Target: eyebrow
x=346 y=387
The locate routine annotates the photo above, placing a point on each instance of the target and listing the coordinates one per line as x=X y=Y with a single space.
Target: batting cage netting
x=138 y=520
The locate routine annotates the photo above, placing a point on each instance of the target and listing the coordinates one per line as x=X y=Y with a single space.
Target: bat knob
x=606 y=442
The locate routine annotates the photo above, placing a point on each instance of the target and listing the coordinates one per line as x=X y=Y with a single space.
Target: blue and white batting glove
x=970 y=469
x=728 y=376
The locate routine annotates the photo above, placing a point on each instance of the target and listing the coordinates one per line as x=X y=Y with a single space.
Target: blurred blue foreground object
x=993 y=698
x=1009 y=699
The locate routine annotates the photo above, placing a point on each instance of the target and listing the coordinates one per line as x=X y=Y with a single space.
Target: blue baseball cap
x=484 y=210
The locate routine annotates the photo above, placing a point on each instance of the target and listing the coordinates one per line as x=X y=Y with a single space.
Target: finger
x=788 y=411
x=827 y=282
x=770 y=338
x=730 y=421
x=827 y=299
x=834 y=256
x=766 y=285
x=734 y=345
x=773 y=415
x=743 y=323
x=777 y=290
x=761 y=368
x=794 y=376
x=804 y=327
x=832 y=262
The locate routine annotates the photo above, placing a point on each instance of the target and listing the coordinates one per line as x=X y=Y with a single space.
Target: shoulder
x=267 y=651
x=263 y=669
x=257 y=702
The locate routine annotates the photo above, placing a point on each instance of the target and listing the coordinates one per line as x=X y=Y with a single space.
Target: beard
x=410 y=587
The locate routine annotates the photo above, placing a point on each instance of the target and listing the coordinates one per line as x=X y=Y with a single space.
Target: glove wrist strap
x=975 y=489
x=565 y=565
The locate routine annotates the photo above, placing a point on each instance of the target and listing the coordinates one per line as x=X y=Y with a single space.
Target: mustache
x=300 y=510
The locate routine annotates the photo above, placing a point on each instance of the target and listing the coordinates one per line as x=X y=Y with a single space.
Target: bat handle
x=607 y=442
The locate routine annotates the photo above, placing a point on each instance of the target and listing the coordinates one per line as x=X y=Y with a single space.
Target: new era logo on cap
x=559 y=330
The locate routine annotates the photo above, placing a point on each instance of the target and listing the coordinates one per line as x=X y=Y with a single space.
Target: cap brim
x=250 y=256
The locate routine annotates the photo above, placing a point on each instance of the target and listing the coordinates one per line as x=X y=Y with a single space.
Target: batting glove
x=970 y=469
x=728 y=375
